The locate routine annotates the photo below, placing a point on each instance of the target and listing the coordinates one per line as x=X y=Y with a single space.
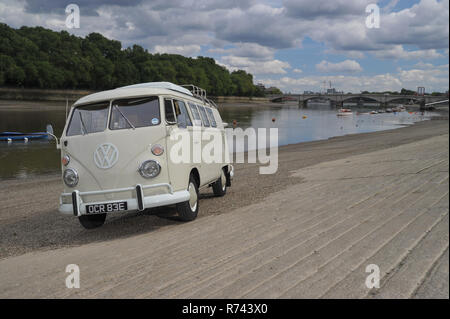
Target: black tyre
x=220 y=186
x=92 y=221
x=188 y=210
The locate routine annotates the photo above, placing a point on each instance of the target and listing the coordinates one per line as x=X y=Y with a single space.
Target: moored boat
x=344 y=112
x=5 y=136
x=19 y=136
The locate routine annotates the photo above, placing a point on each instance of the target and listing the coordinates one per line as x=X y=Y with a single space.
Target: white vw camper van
x=120 y=151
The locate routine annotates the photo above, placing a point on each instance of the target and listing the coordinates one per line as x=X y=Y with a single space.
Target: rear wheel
x=188 y=210
x=220 y=186
x=92 y=221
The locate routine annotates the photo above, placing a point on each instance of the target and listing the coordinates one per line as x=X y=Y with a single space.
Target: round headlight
x=65 y=160
x=149 y=169
x=70 y=177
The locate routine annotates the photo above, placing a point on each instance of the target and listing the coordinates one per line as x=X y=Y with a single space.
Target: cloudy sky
x=295 y=45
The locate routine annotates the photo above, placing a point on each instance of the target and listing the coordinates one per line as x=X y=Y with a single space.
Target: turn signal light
x=157 y=149
x=65 y=160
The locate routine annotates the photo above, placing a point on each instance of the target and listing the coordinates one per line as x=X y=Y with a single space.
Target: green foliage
x=407 y=92
x=41 y=58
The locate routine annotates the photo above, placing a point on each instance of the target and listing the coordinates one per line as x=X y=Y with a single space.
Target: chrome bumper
x=231 y=172
x=141 y=202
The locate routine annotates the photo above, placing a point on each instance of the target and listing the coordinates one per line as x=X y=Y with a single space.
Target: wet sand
x=29 y=219
x=256 y=206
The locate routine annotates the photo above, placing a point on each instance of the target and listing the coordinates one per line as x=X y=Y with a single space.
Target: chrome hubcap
x=193 y=197
x=223 y=179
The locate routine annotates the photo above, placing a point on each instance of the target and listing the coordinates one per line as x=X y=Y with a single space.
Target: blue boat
x=14 y=136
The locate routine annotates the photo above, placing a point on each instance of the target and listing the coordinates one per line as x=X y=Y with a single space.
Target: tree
x=41 y=58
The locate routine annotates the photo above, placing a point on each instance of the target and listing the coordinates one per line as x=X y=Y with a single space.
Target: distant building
x=269 y=90
x=261 y=86
x=331 y=91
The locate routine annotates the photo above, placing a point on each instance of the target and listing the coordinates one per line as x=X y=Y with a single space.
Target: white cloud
x=398 y=52
x=297 y=71
x=186 y=50
x=250 y=50
x=340 y=24
x=347 y=66
x=433 y=78
x=255 y=66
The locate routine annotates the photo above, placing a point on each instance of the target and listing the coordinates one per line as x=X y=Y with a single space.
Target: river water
x=316 y=122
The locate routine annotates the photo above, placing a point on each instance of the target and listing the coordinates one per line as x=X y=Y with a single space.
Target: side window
x=203 y=114
x=195 y=114
x=211 y=117
x=168 y=109
x=180 y=108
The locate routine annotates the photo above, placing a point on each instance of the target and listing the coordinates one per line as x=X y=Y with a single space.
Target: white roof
x=159 y=85
x=142 y=89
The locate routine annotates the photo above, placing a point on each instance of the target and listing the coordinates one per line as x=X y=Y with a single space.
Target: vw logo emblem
x=106 y=155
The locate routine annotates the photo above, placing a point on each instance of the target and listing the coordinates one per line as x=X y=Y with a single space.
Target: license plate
x=106 y=208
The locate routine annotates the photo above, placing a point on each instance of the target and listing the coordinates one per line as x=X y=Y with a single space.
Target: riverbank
x=333 y=207
x=61 y=96
x=29 y=206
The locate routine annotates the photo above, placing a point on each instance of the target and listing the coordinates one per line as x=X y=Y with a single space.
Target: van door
x=179 y=142
x=196 y=131
x=219 y=144
x=212 y=172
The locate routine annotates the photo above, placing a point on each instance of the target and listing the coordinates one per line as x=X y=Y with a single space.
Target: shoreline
x=338 y=207
x=60 y=96
x=443 y=117
x=30 y=206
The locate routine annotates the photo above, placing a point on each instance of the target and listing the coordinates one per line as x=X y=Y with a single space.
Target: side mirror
x=181 y=121
x=50 y=135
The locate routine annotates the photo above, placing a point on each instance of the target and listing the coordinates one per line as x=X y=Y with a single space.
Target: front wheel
x=188 y=210
x=220 y=186
x=92 y=221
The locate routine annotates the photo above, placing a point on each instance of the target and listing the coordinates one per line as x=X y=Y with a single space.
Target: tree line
x=35 y=57
x=405 y=92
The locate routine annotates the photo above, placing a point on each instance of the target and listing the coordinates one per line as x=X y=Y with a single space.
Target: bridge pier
x=422 y=105
x=336 y=104
x=302 y=104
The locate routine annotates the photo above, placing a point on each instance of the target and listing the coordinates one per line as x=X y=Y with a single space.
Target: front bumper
x=140 y=202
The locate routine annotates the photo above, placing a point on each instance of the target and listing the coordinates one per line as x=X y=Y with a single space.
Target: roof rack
x=199 y=93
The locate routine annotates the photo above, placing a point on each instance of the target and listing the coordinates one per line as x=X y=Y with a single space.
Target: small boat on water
x=19 y=136
x=373 y=112
x=344 y=112
x=11 y=136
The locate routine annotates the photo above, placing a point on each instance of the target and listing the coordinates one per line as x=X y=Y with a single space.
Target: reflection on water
x=318 y=121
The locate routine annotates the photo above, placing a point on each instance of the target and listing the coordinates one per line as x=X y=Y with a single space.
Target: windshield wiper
x=126 y=119
x=83 y=126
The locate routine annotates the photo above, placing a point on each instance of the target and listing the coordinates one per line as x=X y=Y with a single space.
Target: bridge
x=339 y=98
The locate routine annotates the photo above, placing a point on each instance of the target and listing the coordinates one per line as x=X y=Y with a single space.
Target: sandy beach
x=363 y=180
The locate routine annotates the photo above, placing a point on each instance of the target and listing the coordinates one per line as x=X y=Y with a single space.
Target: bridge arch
x=414 y=98
x=358 y=98
x=320 y=97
